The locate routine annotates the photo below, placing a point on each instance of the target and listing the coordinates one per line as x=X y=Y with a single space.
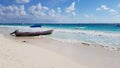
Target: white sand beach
x=20 y=55
x=87 y=54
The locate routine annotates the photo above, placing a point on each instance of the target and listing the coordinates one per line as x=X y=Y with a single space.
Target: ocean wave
x=89 y=32
x=84 y=43
x=80 y=27
x=98 y=37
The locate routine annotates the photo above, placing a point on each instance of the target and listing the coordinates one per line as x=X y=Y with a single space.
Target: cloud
x=71 y=9
x=43 y=13
x=22 y=10
x=88 y=16
x=35 y=13
x=52 y=12
x=59 y=10
x=73 y=13
x=12 y=13
x=103 y=7
x=112 y=11
x=1 y=10
x=38 y=10
x=22 y=1
x=12 y=10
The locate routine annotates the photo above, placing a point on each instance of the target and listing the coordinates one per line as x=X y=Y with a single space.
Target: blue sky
x=60 y=11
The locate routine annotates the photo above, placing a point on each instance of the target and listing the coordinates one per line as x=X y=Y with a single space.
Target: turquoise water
x=97 y=27
x=103 y=34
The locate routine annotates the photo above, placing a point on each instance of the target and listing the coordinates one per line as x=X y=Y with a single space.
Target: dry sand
x=22 y=55
x=87 y=54
x=44 y=52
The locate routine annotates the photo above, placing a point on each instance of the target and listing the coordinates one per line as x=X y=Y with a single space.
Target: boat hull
x=19 y=34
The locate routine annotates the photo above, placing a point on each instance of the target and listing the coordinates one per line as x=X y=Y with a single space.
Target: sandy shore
x=22 y=55
x=87 y=54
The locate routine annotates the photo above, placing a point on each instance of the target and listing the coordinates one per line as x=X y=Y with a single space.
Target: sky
x=60 y=11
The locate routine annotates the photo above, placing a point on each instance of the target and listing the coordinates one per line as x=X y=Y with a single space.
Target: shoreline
x=110 y=40
x=108 y=47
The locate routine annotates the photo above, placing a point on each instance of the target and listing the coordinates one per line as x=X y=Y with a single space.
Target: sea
x=102 y=34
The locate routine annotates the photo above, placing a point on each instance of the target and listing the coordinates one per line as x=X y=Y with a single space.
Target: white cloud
x=73 y=13
x=22 y=10
x=45 y=8
x=35 y=13
x=22 y=1
x=38 y=10
x=70 y=8
x=112 y=11
x=12 y=13
x=12 y=10
x=1 y=10
x=88 y=16
x=52 y=12
x=39 y=6
x=103 y=7
x=59 y=10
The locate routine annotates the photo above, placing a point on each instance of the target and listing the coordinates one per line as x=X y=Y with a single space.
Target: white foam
x=80 y=27
x=111 y=48
x=99 y=33
x=98 y=37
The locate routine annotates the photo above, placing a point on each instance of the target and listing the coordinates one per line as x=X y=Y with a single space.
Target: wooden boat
x=17 y=33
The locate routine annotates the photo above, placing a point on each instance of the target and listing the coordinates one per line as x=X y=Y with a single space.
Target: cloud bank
x=38 y=13
x=72 y=11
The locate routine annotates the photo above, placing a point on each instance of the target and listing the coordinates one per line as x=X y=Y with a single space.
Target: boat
x=18 y=33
